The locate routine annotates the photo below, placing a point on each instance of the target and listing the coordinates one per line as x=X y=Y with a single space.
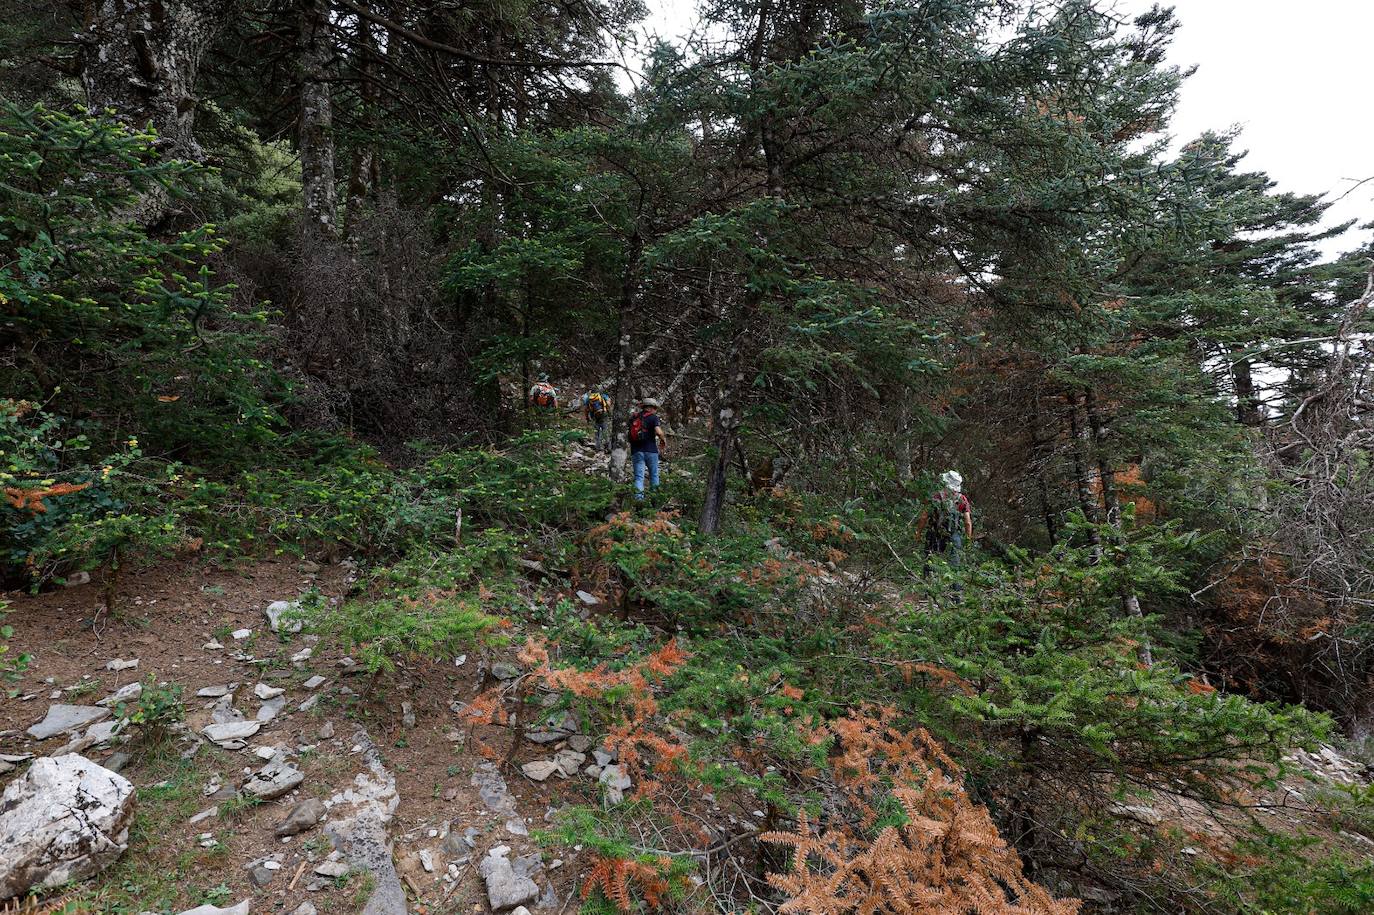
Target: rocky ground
x=295 y=783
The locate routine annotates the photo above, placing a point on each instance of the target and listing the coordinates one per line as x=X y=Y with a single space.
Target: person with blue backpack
x=647 y=445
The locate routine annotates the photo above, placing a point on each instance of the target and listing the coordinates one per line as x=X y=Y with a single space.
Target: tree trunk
x=1080 y=434
x=624 y=360
x=140 y=58
x=363 y=170
x=318 y=207
x=902 y=445
x=724 y=426
x=1130 y=602
x=1248 y=410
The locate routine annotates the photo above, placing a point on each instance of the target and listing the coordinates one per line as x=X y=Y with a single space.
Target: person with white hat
x=948 y=521
x=647 y=443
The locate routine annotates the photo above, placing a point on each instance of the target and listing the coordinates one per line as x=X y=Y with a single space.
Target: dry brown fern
x=946 y=858
x=614 y=877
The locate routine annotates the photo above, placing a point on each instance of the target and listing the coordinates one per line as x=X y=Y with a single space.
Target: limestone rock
x=241 y=909
x=279 y=608
x=358 y=828
x=273 y=780
x=271 y=709
x=616 y=782
x=506 y=889
x=121 y=664
x=301 y=817
x=491 y=787
x=540 y=769
x=230 y=733
x=126 y=693
x=263 y=691
x=63 y=719
x=64 y=819
x=569 y=761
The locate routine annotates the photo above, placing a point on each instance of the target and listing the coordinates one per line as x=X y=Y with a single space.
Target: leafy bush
x=66 y=508
x=155 y=710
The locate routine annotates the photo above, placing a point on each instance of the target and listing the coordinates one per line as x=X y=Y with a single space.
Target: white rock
x=332 y=869
x=212 y=692
x=314 y=682
x=277 y=609
x=63 y=719
x=102 y=731
x=427 y=860
x=231 y=731
x=273 y=780
x=591 y=600
x=271 y=709
x=263 y=691
x=204 y=815
x=213 y=645
x=569 y=761
x=616 y=782
x=126 y=693
x=540 y=769
x=121 y=664
x=302 y=656
x=241 y=634
x=242 y=908
x=63 y=820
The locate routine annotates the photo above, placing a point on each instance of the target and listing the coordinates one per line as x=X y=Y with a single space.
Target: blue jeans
x=603 y=433
x=645 y=460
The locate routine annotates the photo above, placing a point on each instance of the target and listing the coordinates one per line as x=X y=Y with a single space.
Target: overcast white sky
x=1296 y=75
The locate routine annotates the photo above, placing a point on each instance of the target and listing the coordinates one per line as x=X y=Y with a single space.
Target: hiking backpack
x=543 y=395
x=596 y=404
x=638 y=434
x=947 y=518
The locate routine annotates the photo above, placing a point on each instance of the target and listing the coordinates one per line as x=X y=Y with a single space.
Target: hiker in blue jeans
x=647 y=443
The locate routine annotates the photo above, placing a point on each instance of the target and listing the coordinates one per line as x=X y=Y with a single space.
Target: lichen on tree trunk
x=318 y=194
x=140 y=59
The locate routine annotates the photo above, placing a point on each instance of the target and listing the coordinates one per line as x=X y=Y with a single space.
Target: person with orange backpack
x=543 y=395
x=647 y=444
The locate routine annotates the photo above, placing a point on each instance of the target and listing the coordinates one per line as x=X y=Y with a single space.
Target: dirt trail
x=453 y=805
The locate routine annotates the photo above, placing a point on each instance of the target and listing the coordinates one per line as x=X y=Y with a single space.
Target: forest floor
x=163 y=618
